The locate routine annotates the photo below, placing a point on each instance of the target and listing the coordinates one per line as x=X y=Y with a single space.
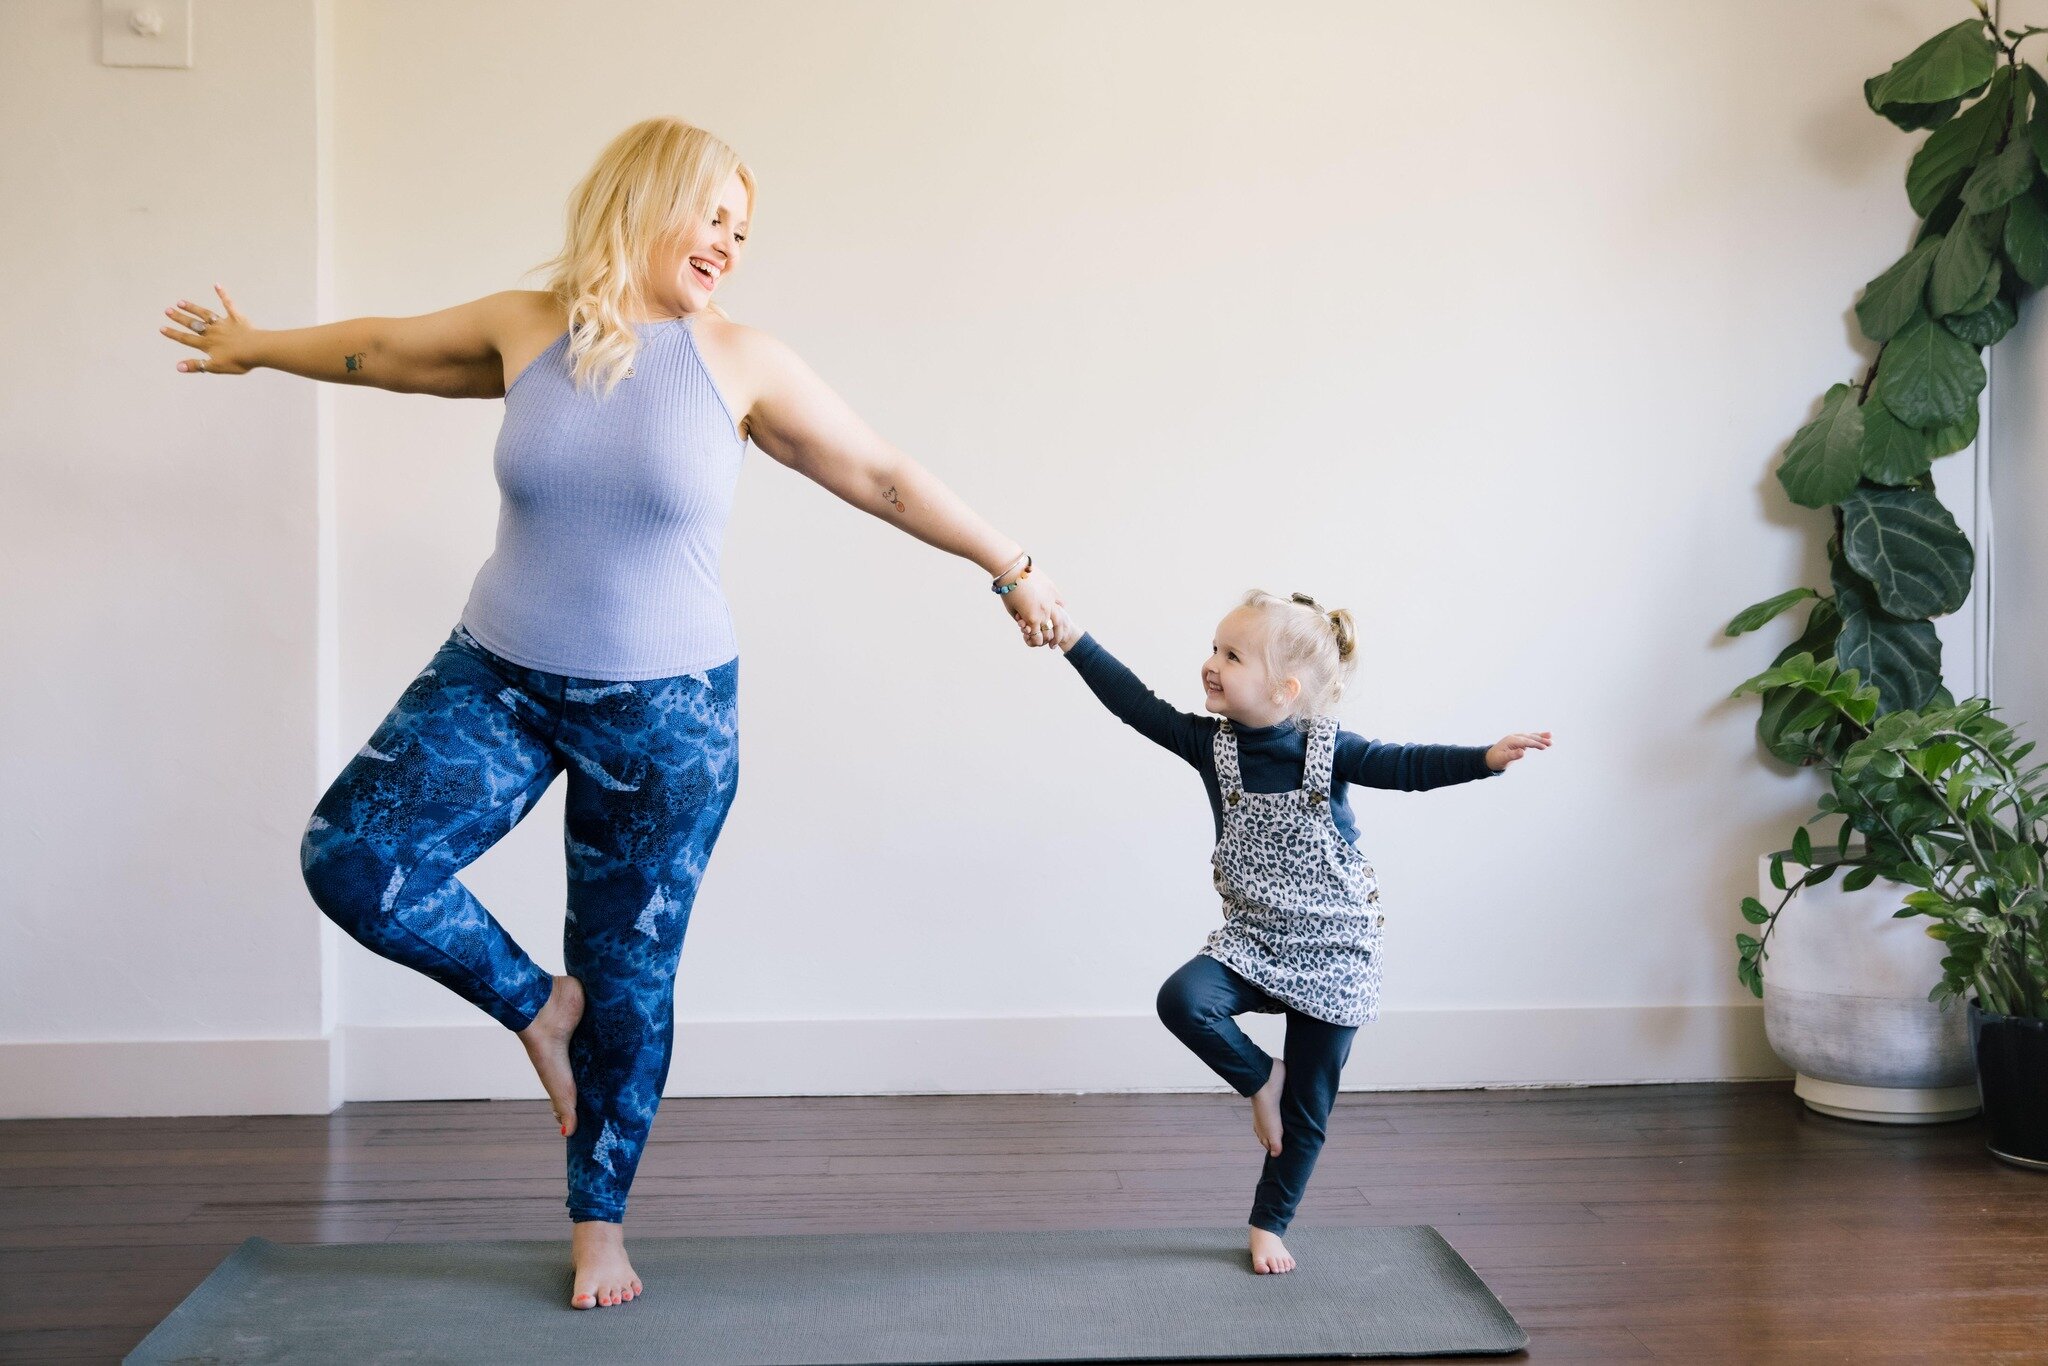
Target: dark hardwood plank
x=1695 y=1223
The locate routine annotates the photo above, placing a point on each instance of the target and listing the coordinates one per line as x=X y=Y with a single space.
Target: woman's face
x=687 y=268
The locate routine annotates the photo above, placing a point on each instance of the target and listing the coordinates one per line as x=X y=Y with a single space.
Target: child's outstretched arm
x=1417 y=768
x=1132 y=702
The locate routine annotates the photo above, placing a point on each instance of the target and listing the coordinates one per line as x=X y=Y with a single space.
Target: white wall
x=156 y=543
x=1488 y=325
x=2019 y=496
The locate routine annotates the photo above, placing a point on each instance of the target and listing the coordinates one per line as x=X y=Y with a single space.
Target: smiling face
x=1235 y=680
x=687 y=268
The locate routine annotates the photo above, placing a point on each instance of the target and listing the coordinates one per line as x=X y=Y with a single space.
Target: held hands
x=1513 y=747
x=1036 y=606
x=221 y=336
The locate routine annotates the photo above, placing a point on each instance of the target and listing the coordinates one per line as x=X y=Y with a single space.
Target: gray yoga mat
x=1103 y=1295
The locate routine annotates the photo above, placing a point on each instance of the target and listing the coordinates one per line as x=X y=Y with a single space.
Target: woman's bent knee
x=346 y=881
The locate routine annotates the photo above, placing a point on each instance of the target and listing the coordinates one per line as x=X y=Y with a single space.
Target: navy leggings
x=470 y=746
x=1197 y=1004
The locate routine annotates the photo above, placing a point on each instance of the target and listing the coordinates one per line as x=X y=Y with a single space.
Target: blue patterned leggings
x=470 y=746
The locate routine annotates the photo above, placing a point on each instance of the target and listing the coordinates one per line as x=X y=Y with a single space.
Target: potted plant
x=1896 y=558
x=1943 y=807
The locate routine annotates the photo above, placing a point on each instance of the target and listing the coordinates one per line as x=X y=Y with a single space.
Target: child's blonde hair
x=650 y=179
x=1305 y=641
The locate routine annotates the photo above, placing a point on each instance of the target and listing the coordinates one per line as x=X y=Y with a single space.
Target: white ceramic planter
x=1845 y=1005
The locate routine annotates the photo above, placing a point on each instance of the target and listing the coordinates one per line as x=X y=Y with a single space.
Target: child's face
x=1235 y=679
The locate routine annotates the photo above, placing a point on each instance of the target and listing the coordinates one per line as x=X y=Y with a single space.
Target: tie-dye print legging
x=467 y=750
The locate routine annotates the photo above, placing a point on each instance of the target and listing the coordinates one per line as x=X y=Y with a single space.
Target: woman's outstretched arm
x=453 y=353
x=798 y=420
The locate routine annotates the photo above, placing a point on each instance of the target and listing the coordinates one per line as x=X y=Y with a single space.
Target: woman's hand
x=222 y=337
x=1513 y=747
x=1038 y=609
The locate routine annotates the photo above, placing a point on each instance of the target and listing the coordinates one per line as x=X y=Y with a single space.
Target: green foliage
x=1943 y=804
x=1905 y=543
x=1955 y=149
x=1927 y=791
x=1953 y=63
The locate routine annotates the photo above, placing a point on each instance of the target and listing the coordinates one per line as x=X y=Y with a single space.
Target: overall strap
x=1228 y=778
x=1320 y=759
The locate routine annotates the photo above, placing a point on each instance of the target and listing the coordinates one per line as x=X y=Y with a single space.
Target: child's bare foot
x=547 y=1046
x=1266 y=1109
x=603 y=1275
x=1269 y=1255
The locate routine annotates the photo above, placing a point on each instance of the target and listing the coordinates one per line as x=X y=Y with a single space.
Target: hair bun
x=1347 y=632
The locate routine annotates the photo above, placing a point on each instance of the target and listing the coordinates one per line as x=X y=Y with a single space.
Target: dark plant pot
x=2012 y=1080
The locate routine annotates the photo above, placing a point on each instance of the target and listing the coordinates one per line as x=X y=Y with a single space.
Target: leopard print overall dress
x=1301 y=915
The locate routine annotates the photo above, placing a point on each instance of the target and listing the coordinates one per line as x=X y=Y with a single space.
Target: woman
x=596 y=639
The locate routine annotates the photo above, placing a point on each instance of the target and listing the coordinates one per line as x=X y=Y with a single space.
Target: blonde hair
x=1307 y=642
x=648 y=181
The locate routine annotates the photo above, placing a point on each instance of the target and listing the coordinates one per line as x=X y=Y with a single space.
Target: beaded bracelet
x=1003 y=590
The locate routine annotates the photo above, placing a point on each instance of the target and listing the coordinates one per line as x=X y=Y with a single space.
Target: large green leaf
x=1901 y=659
x=1961 y=263
x=1911 y=117
x=1986 y=292
x=1929 y=376
x=1952 y=63
x=1905 y=543
x=2026 y=234
x=1890 y=301
x=1893 y=453
x=1953 y=150
x=1782 y=724
x=1823 y=624
x=1825 y=458
x=1985 y=327
x=1943 y=218
x=2001 y=177
x=1749 y=618
x=1775 y=728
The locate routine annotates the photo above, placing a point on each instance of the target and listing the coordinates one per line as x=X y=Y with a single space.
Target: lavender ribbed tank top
x=612 y=518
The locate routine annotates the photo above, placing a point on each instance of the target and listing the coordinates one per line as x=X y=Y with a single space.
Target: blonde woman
x=596 y=640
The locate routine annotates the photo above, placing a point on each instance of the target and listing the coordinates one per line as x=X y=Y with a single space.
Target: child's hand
x=1513 y=747
x=1069 y=633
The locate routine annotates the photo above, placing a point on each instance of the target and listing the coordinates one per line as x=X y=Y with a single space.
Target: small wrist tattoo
x=891 y=498
x=354 y=362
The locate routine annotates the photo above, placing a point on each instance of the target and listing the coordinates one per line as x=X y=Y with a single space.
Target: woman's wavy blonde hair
x=647 y=183
x=1307 y=641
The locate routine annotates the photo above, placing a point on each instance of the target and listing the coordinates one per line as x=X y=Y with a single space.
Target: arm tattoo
x=890 y=497
x=354 y=362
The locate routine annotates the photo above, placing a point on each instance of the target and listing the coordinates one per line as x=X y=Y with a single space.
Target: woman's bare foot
x=603 y=1275
x=1269 y=1255
x=1266 y=1110
x=547 y=1047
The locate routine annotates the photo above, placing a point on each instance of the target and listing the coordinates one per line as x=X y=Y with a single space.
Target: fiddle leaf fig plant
x=1933 y=787
x=1896 y=558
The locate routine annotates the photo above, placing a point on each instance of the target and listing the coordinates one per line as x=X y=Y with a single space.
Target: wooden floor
x=1718 y=1223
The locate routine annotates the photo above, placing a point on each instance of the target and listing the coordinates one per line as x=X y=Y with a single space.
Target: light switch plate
x=146 y=33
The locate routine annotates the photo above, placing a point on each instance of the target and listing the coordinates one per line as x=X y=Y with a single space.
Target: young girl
x=1301 y=914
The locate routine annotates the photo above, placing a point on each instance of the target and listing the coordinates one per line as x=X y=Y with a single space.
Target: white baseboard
x=169 y=1077
x=1403 y=1050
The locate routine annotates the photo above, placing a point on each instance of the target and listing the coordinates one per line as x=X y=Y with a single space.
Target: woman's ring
x=199 y=326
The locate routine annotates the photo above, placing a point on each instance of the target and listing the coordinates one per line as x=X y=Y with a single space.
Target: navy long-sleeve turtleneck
x=1271 y=757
